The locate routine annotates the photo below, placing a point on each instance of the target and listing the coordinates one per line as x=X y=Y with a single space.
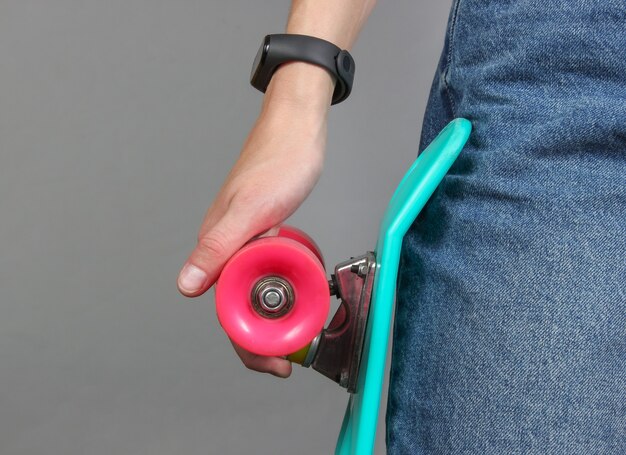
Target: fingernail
x=191 y=278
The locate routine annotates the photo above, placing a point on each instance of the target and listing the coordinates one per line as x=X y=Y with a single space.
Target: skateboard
x=273 y=296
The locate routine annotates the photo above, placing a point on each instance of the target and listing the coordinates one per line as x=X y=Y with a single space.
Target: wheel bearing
x=272 y=297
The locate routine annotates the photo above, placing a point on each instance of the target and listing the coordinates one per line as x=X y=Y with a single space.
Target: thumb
x=215 y=246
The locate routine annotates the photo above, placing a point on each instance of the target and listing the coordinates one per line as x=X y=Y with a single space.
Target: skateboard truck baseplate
x=336 y=351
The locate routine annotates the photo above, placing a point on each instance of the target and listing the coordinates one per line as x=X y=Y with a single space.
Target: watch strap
x=292 y=47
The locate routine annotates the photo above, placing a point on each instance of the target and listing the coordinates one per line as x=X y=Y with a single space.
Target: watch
x=282 y=48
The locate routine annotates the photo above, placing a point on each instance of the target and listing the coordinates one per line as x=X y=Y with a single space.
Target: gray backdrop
x=118 y=122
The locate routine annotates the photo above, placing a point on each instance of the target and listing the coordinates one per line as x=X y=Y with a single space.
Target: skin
x=287 y=139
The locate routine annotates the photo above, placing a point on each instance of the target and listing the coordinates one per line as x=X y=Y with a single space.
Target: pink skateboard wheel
x=272 y=297
x=298 y=235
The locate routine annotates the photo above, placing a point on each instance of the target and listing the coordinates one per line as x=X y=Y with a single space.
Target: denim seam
x=446 y=70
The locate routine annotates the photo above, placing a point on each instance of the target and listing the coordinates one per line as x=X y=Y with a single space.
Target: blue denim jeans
x=510 y=329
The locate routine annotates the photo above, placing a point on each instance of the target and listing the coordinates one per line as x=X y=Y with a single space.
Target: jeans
x=510 y=326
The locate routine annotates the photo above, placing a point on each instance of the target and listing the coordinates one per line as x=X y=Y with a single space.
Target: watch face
x=260 y=56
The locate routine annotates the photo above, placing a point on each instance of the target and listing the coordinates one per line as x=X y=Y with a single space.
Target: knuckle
x=212 y=244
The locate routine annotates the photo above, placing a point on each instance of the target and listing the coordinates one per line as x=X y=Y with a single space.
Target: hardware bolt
x=359 y=269
x=272 y=298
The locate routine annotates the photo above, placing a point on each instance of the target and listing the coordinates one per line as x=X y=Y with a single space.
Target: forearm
x=308 y=86
x=337 y=21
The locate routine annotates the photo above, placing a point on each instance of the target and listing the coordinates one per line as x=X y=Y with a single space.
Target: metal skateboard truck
x=336 y=351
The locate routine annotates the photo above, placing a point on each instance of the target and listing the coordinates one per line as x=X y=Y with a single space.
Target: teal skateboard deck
x=358 y=431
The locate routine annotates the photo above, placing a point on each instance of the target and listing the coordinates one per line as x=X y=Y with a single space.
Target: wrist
x=300 y=85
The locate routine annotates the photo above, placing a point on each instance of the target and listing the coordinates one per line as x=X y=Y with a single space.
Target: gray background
x=118 y=122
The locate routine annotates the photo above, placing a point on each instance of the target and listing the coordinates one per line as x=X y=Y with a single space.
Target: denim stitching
x=446 y=70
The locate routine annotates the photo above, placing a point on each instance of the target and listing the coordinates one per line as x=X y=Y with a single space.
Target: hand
x=278 y=167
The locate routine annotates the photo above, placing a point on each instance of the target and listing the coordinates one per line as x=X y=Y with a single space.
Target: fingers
x=272 y=365
x=215 y=246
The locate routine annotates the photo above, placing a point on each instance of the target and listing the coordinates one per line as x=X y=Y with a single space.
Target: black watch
x=281 y=48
